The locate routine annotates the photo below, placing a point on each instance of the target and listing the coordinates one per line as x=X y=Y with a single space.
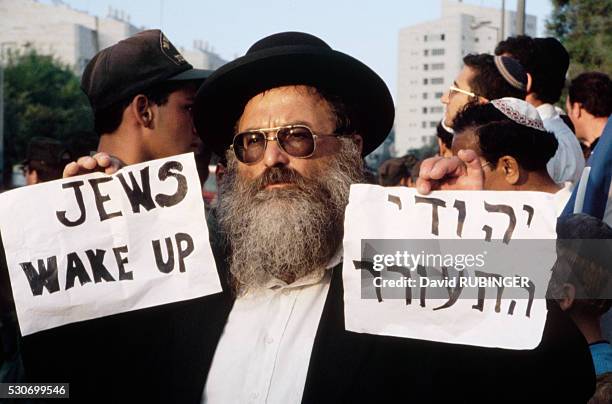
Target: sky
x=365 y=29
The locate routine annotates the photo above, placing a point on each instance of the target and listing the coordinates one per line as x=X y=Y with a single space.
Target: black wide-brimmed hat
x=292 y=58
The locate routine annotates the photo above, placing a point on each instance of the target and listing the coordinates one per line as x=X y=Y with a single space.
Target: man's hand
x=98 y=162
x=448 y=173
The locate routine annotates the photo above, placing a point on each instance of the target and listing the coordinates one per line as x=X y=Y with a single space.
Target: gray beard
x=285 y=233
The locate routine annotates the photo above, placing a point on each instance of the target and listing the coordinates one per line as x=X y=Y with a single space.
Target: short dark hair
x=392 y=171
x=594 y=91
x=545 y=59
x=107 y=120
x=445 y=136
x=583 y=246
x=488 y=81
x=45 y=172
x=500 y=136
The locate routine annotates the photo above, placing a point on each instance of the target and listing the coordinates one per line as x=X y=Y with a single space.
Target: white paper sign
x=96 y=245
x=521 y=230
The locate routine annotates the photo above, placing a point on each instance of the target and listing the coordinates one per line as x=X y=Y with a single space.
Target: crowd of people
x=291 y=121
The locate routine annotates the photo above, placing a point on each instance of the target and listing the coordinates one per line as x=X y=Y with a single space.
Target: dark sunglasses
x=295 y=140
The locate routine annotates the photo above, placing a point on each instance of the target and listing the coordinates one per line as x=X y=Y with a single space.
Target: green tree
x=42 y=97
x=585 y=29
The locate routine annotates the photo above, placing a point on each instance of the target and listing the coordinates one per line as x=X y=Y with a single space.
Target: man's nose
x=274 y=156
x=445 y=97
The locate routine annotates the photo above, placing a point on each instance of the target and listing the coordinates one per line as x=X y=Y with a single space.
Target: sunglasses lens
x=249 y=147
x=296 y=141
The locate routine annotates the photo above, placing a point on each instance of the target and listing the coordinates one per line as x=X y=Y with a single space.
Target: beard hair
x=290 y=232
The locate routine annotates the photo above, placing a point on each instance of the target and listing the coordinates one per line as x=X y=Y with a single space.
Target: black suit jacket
x=164 y=354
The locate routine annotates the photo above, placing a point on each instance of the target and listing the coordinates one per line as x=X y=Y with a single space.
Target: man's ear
x=529 y=83
x=142 y=111
x=568 y=295
x=577 y=109
x=510 y=169
x=359 y=142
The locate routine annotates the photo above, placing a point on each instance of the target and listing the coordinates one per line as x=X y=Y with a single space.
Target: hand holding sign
x=101 y=161
x=463 y=171
x=87 y=247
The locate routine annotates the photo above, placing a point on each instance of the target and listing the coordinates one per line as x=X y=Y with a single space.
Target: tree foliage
x=585 y=29
x=42 y=98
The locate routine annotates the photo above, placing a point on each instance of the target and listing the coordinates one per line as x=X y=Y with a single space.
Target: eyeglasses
x=295 y=140
x=452 y=89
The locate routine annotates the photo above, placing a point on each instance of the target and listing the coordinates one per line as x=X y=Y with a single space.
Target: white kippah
x=520 y=112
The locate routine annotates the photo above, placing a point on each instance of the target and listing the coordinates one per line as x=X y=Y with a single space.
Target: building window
x=437 y=66
x=442 y=37
x=424 y=38
x=426 y=52
x=436 y=110
x=437 y=52
x=424 y=96
x=438 y=95
x=437 y=80
x=425 y=81
x=424 y=110
x=424 y=125
x=476 y=39
x=433 y=124
x=424 y=139
x=425 y=66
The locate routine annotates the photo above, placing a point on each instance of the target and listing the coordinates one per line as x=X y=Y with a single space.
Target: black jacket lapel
x=337 y=354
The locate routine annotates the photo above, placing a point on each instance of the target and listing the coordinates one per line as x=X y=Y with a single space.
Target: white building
x=430 y=57
x=72 y=36
x=202 y=56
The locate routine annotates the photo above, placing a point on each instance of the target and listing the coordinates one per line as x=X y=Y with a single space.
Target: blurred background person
x=589 y=105
x=581 y=280
x=546 y=62
x=45 y=160
x=397 y=171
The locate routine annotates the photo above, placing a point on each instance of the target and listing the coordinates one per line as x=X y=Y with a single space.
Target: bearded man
x=294 y=138
x=294 y=118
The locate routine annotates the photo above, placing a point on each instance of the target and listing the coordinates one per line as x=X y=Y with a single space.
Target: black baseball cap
x=134 y=65
x=46 y=151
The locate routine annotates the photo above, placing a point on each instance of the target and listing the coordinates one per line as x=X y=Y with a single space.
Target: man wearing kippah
x=546 y=62
x=483 y=78
x=141 y=91
x=512 y=146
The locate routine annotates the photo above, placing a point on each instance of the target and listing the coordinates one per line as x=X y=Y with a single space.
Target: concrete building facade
x=73 y=36
x=430 y=56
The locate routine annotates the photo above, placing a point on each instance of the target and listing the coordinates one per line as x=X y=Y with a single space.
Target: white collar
x=547 y=111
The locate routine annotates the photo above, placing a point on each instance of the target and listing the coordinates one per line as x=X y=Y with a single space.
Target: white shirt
x=562 y=196
x=264 y=352
x=568 y=161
